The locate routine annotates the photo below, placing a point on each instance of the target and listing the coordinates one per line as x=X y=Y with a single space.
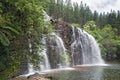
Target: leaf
x=4 y=40
x=11 y=29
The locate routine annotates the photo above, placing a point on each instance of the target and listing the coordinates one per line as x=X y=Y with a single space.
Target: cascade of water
x=31 y=69
x=76 y=47
x=30 y=66
x=88 y=48
x=61 y=50
x=73 y=44
x=46 y=17
x=45 y=63
x=84 y=50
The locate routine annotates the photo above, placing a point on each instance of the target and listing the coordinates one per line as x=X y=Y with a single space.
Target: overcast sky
x=101 y=5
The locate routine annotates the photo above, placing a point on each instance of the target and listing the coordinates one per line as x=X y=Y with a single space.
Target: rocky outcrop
x=65 y=31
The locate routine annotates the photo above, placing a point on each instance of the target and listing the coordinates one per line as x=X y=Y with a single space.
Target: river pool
x=110 y=72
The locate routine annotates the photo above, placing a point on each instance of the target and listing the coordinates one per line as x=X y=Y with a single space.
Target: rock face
x=65 y=31
x=58 y=45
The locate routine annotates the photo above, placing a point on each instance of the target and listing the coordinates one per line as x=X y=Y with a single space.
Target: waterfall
x=84 y=50
x=45 y=63
x=86 y=45
x=69 y=48
x=60 y=50
x=46 y=17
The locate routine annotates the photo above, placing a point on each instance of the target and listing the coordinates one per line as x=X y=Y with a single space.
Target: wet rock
x=37 y=76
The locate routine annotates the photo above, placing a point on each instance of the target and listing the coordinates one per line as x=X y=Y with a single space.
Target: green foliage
x=4 y=40
x=75 y=24
x=49 y=28
x=21 y=24
x=72 y=13
x=81 y=14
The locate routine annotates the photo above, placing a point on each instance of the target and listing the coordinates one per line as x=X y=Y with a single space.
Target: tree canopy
x=21 y=24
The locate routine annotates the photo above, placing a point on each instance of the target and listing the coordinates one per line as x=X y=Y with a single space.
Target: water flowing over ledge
x=83 y=51
x=68 y=47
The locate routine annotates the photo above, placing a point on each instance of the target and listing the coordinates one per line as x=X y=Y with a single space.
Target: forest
x=22 y=22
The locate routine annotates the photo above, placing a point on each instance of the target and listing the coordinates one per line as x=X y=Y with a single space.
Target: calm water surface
x=111 y=72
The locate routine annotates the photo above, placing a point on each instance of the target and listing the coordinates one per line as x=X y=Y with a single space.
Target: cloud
x=101 y=5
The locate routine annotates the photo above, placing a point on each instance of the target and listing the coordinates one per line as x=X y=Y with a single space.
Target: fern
x=4 y=39
x=11 y=29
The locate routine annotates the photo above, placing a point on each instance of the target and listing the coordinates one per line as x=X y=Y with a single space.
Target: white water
x=89 y=47
x=46 y=17
x=45 y=63
x=61 y=50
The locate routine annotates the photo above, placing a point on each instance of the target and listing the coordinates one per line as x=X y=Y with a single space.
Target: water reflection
x=82 y=73
x=89 y=73
x=96 y=74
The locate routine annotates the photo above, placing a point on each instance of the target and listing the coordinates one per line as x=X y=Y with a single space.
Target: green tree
x=21 y=24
